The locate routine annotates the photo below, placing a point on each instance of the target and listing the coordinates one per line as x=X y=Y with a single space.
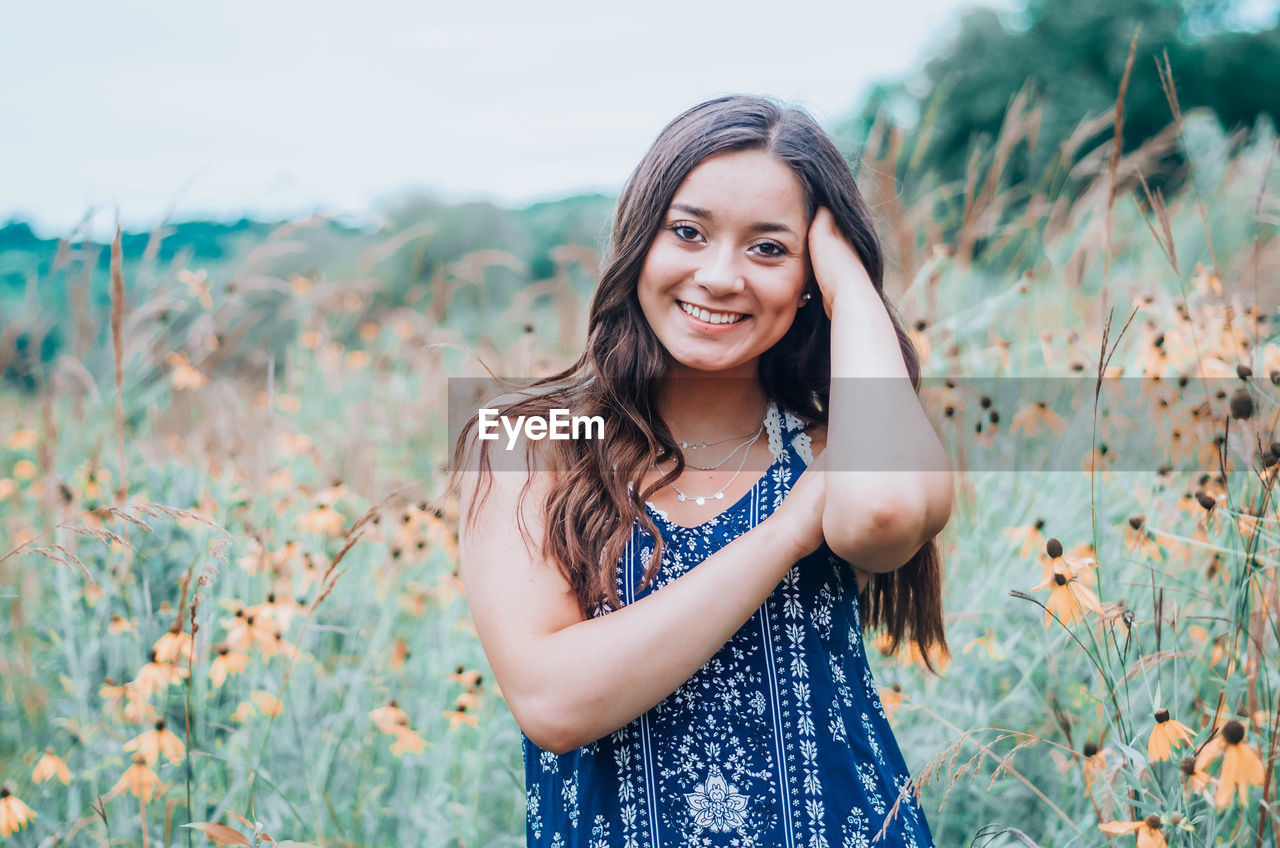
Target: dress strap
x=795 y=427
x=773 y=425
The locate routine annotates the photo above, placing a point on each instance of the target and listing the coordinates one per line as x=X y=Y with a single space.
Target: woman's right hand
x=800 y=513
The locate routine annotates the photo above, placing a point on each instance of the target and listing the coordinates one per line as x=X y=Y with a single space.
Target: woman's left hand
x=836 y=265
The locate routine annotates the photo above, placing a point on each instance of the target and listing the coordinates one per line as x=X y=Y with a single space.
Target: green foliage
x=1071 y=56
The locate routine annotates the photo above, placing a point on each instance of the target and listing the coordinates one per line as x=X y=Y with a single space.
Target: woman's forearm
x=603 y=673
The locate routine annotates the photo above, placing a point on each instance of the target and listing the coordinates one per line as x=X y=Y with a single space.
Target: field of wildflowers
x=229 y=575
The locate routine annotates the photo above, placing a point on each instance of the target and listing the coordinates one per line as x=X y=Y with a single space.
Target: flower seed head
x=1241 y=404
x=1136 y=521
x=1039 y=524
x=1090 y=749
x=222 y=648
x=1188 y=766
x=1053 y=548
x=1060 y=579
x=1162 y=716
x=1153 y=821
x=1233 y=732
x=159 y=724
x=4 y=792
x=1204 y=500
x=1243 y=371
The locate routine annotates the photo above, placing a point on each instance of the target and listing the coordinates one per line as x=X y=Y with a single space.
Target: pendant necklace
x=702 y=499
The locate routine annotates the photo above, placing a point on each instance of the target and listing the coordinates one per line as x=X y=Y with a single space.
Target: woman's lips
x=707 y=326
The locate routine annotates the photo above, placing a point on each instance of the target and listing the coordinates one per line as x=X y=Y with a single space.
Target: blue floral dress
x=779 y=740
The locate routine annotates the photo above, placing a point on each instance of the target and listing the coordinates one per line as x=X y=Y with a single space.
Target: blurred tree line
x=1071 y=56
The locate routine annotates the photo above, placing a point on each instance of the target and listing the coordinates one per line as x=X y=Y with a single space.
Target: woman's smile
x=706 y=319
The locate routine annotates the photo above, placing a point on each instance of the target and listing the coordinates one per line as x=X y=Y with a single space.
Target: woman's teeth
x=712 y=317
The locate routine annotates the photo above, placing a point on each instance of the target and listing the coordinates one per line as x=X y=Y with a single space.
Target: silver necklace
x=727 y=457
x=702 y=499
x=701 y=445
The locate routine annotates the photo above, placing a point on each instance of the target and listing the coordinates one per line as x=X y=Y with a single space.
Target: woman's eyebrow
x=758 y=227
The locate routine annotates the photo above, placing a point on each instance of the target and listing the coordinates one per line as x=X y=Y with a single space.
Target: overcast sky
x=273 y=109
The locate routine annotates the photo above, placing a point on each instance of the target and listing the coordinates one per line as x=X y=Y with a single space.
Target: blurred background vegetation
x=1066 y=59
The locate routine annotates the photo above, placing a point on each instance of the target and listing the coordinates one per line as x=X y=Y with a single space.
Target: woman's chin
x=719 y=367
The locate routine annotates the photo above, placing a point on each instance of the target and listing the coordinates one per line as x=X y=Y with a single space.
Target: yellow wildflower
x=1148 y=830
x=50 y=766
x=1241 y=765
x=268 y=703
x=386 y=718
x=138 y=779
x=120 y=624
x=227 y=662
x=156 y=675
x=468 y=679
x=14 y=814
x=1070 y=597
x=460 y=716
x=407 y=741
x=153 y=743
x=1167 y=734
x=891 y=699
x=174 y=645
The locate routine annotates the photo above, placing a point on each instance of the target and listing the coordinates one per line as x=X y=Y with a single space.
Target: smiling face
x=723 y=279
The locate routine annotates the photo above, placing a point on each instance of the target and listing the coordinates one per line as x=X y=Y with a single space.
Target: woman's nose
x=720 y=272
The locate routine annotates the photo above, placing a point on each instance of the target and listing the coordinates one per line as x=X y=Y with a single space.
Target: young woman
x=674 y=611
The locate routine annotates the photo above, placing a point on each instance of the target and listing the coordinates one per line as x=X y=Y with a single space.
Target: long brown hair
x=618 y=375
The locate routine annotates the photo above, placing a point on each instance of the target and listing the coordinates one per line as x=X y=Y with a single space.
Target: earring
x=805 y=299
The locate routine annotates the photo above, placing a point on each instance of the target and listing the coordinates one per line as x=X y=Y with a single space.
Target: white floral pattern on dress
x=717 y=805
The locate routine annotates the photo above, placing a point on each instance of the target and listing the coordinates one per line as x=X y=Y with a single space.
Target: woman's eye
x=685 y=232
